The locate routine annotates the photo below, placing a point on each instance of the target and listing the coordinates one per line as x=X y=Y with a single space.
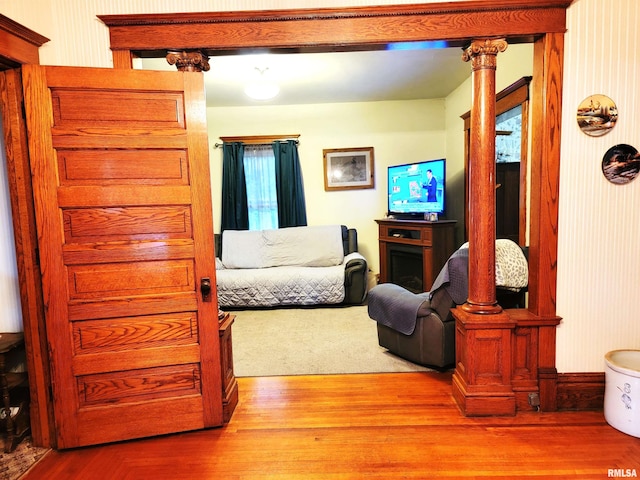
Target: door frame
x=515 y=94
x=19 y=46
x=542 y=23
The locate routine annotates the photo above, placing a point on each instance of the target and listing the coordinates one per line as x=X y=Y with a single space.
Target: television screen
x=417 y=188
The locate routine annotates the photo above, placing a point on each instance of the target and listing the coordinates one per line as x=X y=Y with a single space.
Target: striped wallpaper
x=599 y=225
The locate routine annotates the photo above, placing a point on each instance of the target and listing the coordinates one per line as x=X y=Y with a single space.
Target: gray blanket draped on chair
x=395 y=306
x=398 y=308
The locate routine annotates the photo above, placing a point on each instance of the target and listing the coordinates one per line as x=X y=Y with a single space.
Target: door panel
x=123 y=209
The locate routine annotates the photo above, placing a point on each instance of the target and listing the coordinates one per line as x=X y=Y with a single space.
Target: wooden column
x=482 y=173
x=482 y=380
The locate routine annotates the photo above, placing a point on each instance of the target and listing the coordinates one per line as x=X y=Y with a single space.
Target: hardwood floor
x=384 y=426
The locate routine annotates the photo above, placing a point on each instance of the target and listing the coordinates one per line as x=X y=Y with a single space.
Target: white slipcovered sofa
x=290 y=266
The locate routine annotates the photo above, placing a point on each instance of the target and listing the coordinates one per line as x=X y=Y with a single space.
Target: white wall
x=598 y=263
x=399 y=132
x=10 y=311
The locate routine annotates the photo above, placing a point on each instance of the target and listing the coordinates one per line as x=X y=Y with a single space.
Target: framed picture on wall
x=348 y=168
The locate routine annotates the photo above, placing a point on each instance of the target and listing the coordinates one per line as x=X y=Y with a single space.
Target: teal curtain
x=292 y=210
x=235 y=211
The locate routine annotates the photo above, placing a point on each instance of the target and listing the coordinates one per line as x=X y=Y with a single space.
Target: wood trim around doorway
x=18 y=46
x=365 y=28
x=333 y=29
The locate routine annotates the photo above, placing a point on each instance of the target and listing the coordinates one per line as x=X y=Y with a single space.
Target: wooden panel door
x=123 y=210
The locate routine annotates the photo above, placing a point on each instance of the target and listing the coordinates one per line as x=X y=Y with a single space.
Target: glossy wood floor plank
x=384 y=426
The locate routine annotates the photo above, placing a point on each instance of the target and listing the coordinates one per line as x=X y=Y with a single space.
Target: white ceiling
x=307 y=78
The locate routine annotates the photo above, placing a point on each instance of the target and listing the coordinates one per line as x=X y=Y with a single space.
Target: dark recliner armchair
x=420 y=327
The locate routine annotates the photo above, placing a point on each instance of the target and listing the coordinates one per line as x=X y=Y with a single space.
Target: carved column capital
x=189 y=61
x=482 y=53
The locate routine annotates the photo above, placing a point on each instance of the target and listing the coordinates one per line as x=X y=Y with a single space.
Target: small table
x=14 y=413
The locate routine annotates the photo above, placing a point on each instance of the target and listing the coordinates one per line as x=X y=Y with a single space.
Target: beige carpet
x=304 y=341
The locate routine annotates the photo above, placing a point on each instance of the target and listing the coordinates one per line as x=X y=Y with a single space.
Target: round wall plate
x=621 y=164
x=597 y=115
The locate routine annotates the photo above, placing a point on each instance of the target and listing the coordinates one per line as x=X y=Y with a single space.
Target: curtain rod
x=297 y=142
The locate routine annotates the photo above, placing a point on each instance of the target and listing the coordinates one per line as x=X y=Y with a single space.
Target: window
x=260 y=178
x=262 y=185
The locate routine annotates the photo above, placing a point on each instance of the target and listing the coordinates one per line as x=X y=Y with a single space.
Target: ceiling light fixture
x=261 y=88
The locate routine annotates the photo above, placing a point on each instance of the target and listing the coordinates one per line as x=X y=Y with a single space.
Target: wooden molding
x=581 y=391
x=18 y=44
x=298 y=14
x=545 y=172
x=337 y=28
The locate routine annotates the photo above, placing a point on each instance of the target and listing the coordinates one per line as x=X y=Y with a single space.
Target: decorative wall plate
x=597 y=115
x=621 y=164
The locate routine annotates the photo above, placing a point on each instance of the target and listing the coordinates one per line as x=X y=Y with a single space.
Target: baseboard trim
x=581 y=391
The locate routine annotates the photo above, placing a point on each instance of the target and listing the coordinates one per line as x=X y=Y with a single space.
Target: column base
x=482 y=379
x=483 y=402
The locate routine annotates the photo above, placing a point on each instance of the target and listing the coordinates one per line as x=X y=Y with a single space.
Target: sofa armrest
x=355 y=278
x=354 y=258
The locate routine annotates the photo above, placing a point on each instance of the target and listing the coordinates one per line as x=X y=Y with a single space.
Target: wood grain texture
x=334 y=27
x=29 y=274
x=482 y=178
x=545 y=175
x=117 y=333
x=159 y=167
x=383 y=426
x=484 y=355
x=122 y=262
x=18 y=44
x=580 y=391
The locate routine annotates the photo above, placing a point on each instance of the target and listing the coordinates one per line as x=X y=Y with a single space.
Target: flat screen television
x=417 y=188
